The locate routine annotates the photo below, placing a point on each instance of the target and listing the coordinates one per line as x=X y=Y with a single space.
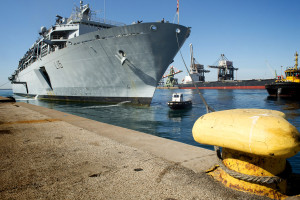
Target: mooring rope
x=208 y=108
x=4 y=84
x=252 y=178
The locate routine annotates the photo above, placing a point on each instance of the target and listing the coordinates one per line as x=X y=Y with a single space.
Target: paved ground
x=47 y=154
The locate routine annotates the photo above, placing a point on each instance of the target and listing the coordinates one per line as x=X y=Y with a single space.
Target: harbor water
x=177 y=125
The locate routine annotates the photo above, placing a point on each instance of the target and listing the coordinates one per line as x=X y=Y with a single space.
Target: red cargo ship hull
x=229 y=85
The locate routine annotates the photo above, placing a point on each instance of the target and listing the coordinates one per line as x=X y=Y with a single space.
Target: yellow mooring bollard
x=255 y=144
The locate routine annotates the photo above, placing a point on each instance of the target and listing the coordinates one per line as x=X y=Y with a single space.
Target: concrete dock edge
x=48 y=154
x=195 y=158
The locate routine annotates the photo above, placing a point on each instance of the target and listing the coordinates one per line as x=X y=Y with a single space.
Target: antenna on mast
x=177 y=13
x=296 y=60
x=104 y=12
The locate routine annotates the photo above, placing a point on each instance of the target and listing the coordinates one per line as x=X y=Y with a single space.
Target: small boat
x=178 y=103
x=289 y=86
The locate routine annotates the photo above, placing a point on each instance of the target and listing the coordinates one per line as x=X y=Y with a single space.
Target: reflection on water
x=291 y=108
x=161 y=121
x=178 y=115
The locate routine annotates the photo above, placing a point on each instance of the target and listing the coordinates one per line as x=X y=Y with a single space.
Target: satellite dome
x=43 y=29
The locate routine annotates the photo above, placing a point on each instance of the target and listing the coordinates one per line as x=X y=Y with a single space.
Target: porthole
x=153 y=28
x=177 y=30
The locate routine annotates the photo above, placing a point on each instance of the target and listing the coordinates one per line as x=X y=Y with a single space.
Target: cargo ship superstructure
x=84 y=59
x=226 y=79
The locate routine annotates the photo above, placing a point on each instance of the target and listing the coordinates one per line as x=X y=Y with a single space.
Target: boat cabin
x=292 y=74
x=178 y=97
x=178 y=103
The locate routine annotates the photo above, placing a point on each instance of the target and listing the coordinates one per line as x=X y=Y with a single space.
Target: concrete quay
x=47 y=154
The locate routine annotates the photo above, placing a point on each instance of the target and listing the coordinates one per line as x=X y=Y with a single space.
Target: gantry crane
x=225 y=69
x=196 y=70
x=171 y=81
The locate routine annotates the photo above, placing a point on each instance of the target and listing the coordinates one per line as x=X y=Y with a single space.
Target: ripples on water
x=159 y=120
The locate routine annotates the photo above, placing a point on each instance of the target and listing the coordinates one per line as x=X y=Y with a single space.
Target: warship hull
x=229 y=85
x=113 y=65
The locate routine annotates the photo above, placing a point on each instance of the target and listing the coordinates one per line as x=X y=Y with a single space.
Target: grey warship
x=81 y=58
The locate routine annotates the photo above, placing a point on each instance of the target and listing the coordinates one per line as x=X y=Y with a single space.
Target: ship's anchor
x=121 y=57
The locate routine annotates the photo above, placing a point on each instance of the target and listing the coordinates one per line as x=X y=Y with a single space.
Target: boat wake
x=26 y=99
x=123 y=102
x=106 y=106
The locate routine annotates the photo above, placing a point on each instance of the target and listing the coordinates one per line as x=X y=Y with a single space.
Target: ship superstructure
x=292 y=74
x=288 y=86
x=80 y=58
x=226 y=79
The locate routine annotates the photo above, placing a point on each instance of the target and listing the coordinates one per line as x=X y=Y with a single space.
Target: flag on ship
x=177 y=12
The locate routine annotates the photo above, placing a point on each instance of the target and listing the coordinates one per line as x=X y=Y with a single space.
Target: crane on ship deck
x=225 y=69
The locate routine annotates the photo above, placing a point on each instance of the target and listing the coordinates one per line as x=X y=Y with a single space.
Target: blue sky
x=259 y=36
